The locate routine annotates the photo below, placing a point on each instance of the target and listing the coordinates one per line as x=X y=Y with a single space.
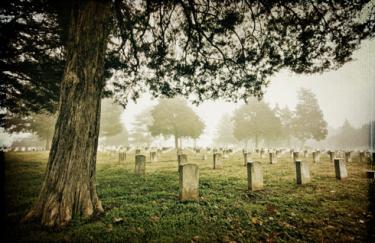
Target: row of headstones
x=154 y=155
x=273 y=156
x=218 y=157
x=120 y=149
x=189 y=174
x=24 y=149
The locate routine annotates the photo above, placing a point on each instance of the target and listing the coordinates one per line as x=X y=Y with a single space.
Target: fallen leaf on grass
x=117 y=220
x=195 y=238
x=286 y=225
x=271 y=209
x=154 y=219
x=109 y=228
x=140 y=230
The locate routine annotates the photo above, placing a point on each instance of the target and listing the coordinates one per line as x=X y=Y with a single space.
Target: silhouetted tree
x=110 y=120
x=41 y=125
x=140 y=134
x=112 y=130
x=349 y=137
x=173 y=117
x=308 y=122
x=224 y=131
x=286 y=117
x=257 y=121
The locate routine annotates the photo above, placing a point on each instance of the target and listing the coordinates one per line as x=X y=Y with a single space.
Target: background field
x=146 y=208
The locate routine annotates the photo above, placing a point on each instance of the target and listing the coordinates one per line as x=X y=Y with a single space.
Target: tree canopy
x=286 y=117
x=308 y=122
x=256 y=120
x=112 y=130
x=349 y=137
x=41 y=125
x=206 y=49
x=110 y=120
x=140 y=134
x=173 y=117
x=224 y=132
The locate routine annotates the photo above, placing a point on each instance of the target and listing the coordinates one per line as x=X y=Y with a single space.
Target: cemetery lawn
x=139 y=209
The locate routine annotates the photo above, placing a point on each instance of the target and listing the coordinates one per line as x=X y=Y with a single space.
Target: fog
x=346 y=93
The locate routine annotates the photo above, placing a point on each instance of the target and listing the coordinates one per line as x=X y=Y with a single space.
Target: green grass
x=327 y=210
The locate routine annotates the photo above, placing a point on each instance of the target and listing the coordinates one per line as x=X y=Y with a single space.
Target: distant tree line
x=349 y=137
x=257 y=123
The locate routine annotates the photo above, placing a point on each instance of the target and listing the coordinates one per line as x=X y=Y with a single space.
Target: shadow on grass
x=371 y=209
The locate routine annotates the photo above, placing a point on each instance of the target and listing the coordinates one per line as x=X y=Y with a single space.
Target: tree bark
x=69 y=185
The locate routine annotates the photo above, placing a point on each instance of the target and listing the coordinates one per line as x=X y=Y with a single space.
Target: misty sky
x=344 y=93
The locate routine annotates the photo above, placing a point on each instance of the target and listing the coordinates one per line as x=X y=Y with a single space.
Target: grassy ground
x=146 y=208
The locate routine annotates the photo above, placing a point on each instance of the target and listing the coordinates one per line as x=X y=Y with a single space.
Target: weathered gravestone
x=340 y=169
x=331 y=155
x=348 y=157
x=189 y=182
x=153 y=156
x=302 y=172
x=225 y=154
x=305 y=153
x=140 y=164
x=278 y=152
x=273 y=158
x=316 y=156
x=295 y=156
x=246 y=157
x=122 y=157
x=182 y=159
x=254 y=176
x=291 y=151
x=362 y=157
x=262 y=153
x=218 y=162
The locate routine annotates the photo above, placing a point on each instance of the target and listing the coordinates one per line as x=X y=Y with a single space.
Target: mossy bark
x=69 y=185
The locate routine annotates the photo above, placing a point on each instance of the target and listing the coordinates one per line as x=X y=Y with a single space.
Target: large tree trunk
x=69 y=184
